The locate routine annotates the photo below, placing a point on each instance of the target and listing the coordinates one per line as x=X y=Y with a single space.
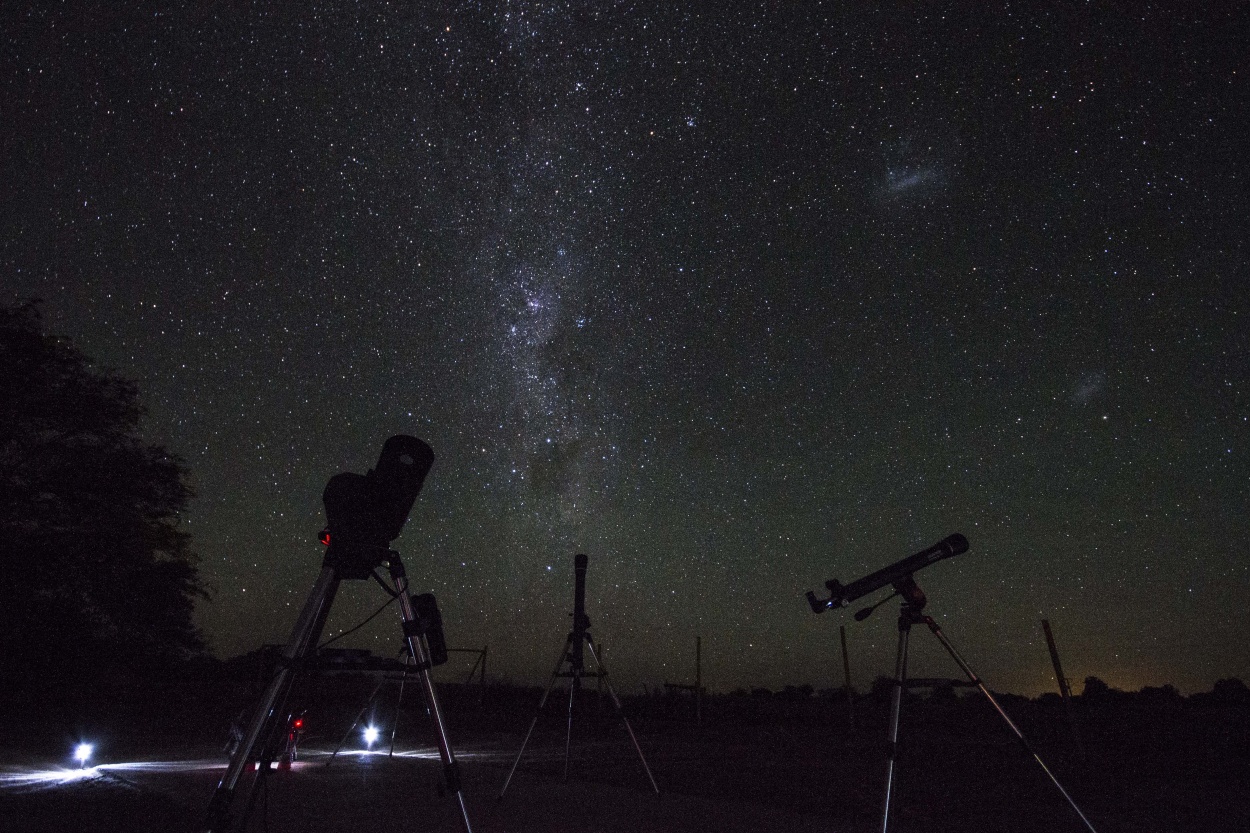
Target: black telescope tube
x=365 y=512
x=580 y=621
x=950 y=546
x=579 y=588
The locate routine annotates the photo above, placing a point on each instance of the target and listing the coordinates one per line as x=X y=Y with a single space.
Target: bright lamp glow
x=371 y=735
x=82 y=753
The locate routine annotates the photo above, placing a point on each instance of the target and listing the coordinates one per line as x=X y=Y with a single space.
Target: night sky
x=734 y=301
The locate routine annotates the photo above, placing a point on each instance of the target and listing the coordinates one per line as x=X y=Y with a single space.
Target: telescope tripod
x=370 y=704
x=571 y=653
x=263 y=732
x=911 y=614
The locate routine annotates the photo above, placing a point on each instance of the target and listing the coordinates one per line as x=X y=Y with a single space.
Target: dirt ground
x=725 y=780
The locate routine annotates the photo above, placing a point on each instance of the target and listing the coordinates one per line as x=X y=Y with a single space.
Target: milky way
x=733 y=302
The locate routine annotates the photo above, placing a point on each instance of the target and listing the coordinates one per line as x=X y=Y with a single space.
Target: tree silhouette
x=1095 y=689
x=95 y=576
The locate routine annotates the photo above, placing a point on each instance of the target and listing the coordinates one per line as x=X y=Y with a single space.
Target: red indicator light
x=324 y=537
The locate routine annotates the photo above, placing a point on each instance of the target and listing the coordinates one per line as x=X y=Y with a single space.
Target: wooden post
x=696 y=689
x=474 y=670
x=1064 y=690
x=698 y=681
x=603 y=651
x=846 y=671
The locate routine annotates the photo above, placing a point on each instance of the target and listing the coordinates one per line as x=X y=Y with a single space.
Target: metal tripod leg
x=421 y=656
x=399 y=703
x=896 y=702
x=616 y=701
x=963 y=666
x=575 y=682
x=261 y=724
x=564 y=652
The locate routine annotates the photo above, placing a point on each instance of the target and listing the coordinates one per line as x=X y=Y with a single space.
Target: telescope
x=580 y=620
x=573 y=656
x=911 y=612
x=365 y=512
x=841 y=596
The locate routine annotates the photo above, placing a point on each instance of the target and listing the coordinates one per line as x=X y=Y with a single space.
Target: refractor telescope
x=580 y=620
x=911 y=612
x=840 y=596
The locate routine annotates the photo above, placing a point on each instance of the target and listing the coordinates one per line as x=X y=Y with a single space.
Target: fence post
x=846 y=671
x=1064 y=690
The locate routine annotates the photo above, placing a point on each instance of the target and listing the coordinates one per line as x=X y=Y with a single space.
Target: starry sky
x=734 y=301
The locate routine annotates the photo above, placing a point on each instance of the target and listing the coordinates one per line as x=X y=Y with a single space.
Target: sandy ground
x=760 y=781
x=607 y=790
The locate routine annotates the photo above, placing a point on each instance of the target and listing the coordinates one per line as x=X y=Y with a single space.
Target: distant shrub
x=1161 y=698
x=1230 y=692
x=1095 y=689
x=1049 y=699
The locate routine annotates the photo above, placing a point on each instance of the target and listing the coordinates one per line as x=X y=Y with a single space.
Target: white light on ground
x=17 y=777
x=82 y=753
x=371 y=735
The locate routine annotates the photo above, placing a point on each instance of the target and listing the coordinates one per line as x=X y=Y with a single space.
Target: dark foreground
x=746 y=770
